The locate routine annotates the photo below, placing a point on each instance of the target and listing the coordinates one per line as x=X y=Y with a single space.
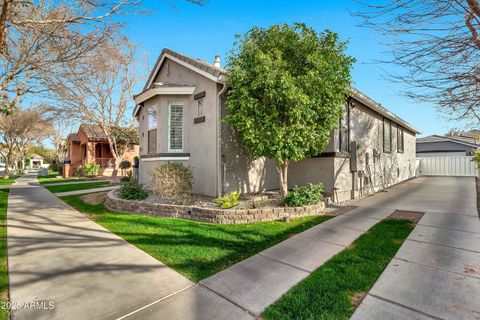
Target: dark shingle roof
x=375 y=106
x=93 y=132
x=200 y=64
x=216 y=71
x=73 y=137
x=203 y=65
x=437 y=138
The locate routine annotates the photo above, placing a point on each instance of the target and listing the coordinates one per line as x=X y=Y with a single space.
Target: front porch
x=93 y=152
x=99 y=153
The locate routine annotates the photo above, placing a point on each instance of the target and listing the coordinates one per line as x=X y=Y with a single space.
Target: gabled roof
x=436 y=138
x=93 y=132
x=73 y=137
x=218 y=74
x=377 y=107
x=207 y=69
x=36 y=156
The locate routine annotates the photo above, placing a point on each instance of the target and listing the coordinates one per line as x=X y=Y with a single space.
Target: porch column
x=90 y=147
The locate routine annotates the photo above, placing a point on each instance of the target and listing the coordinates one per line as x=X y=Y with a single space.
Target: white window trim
x=183 y=125
x=150 y=93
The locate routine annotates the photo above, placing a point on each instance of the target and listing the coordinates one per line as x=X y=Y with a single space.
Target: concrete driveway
x=436 y=272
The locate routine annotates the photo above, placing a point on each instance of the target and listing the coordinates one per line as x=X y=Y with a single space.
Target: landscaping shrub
x=80 y=171
x=132 y=190
x=125 y=164
x=476 y=158
x=91 y=169
x=305 y=195
x=228 y=201
x=54 y=167
x=126 y=178
x=173 y=181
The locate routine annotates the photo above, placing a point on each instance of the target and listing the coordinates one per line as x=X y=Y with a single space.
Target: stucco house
x=90 y=145
x=446 y=146
x=179 y=113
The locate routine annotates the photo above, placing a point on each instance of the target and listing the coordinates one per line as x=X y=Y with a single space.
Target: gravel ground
x=249 y=201
x=259 y=200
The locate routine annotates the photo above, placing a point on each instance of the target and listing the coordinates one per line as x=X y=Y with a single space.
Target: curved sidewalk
x=57 y=255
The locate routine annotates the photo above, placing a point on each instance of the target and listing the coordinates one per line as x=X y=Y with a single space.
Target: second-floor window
x=387 y=136
x=152 y=123
x=175 y=127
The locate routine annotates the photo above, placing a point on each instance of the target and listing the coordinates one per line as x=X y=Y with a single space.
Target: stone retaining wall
x=211 y=215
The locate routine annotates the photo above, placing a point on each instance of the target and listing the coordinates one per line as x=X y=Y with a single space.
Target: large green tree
x=288 y=84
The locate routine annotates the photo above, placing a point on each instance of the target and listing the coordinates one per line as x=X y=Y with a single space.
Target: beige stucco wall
x=199 y=139
x=314 y=170
x=388 y=169
x=366 y=128
x=239 y=171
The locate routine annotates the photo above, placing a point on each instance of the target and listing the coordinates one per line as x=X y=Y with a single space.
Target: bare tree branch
x=436 y=44
x=98 y=91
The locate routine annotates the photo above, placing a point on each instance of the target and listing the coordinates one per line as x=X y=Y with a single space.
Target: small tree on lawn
x=287 y=87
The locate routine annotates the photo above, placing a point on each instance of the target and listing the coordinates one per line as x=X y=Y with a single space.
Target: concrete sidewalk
x=75 y=182
x=259 y=281
x=85 y=191
x=56 y=254
x=436 y=272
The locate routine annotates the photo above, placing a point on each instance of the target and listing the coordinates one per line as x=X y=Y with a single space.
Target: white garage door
x=448 y=166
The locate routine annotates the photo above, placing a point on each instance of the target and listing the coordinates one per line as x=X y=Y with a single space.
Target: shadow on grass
x=336 y=288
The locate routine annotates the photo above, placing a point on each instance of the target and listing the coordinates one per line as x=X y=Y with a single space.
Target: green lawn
x=327 y=293
x=3 y=252
x=52 y=178
x=8 y=181
x=196 y=250
x=79 y=186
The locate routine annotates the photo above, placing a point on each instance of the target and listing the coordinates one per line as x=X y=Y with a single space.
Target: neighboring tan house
x=179 y=113
x=446 y=146
x=90 y=145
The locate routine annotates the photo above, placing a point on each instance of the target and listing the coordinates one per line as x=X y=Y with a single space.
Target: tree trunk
x=118 y=159
x=282 y=169
x=15 y=165
x=3 y=24
x=7 y=167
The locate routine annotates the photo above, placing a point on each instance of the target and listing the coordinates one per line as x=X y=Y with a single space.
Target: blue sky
x=203 y=32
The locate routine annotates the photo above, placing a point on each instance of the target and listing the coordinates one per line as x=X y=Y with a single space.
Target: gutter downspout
x=219 y=168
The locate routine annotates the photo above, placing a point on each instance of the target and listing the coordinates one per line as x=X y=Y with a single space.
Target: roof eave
x=357 y=94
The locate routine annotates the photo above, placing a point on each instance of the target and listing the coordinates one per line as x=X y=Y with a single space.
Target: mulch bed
x=246 y=201
x=412 y=216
